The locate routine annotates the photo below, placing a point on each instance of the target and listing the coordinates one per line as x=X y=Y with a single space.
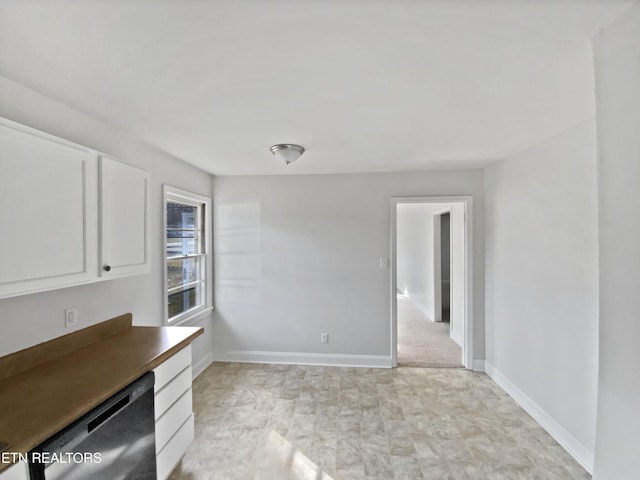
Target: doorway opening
x=430 y=277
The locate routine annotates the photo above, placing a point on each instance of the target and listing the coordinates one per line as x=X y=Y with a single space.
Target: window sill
x=191 y=318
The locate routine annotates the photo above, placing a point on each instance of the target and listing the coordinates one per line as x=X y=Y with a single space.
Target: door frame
x=467 y=200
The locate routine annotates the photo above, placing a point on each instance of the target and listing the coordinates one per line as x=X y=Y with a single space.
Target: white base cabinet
x=173 y=411
x=19 y=471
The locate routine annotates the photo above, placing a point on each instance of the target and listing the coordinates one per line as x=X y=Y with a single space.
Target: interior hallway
x=422 y=342
x=289 y=422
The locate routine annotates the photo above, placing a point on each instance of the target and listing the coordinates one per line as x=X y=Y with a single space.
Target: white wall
x=542 y=282
x=415 y=257
x=617 y=50
x=299 y=255
x=31 y=319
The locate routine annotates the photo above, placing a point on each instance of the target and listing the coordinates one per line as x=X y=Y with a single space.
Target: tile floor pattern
x=289 y=422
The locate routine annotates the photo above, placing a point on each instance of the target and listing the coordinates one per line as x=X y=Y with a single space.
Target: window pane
x=180 y=245
x=181 y=233
x=185 y=235
x=181 y=216
x=184 y=300
x=181 y=271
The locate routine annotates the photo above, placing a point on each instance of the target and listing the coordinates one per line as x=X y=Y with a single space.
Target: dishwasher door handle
x=107 y=414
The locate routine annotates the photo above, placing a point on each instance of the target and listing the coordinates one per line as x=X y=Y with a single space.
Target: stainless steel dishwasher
x=115 y=441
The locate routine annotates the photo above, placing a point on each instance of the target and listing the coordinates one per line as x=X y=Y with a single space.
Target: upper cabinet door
x=124 y=238
x=48 y=214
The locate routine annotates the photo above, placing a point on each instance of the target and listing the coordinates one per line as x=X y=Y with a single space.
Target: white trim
x=195 y=317
x=467 y=200
x=298 y=358
x=202 y=365
x=185 y=196
x=459 y=341
x=394 y=284
x=419 y=306
x=577 y=450
x=170 y=192
x=188 y=316
x=478 y=365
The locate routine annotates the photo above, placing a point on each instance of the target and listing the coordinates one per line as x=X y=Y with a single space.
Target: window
x=187 y=265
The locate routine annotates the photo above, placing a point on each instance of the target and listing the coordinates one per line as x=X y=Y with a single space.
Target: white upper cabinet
x=52 y=212
x=124 y=199
x=48 y=212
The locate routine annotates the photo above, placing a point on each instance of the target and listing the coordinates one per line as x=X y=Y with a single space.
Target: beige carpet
x=423 y=343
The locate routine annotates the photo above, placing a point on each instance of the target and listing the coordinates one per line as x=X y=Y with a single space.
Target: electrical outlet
x=324 y=338
x=71 y=317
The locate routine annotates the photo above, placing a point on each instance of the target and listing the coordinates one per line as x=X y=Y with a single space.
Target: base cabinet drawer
x=172 y=391
x=172 y=452
x=173 y=407
x=167 y=371
x=170 y=422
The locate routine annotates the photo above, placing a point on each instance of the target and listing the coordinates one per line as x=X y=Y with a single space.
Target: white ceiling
x=363 y=85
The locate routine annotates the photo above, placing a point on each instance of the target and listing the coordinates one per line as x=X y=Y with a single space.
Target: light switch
x=384 y=262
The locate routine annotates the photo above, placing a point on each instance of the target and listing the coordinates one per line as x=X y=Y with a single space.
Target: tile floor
x=288 y=422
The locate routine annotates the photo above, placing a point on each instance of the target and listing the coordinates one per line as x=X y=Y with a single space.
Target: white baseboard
x=423 y=308
x=425 y=311
x=576 y=449
x=320 y=359
x=202 y=364
x=478 y=366
x=457 y=339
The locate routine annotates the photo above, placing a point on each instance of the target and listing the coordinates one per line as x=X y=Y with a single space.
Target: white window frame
x=173 y=194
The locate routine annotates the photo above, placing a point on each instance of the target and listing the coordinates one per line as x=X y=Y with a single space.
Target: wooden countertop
x=67 y=377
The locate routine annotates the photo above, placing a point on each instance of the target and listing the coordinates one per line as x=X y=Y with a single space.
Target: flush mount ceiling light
x=287 y=152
